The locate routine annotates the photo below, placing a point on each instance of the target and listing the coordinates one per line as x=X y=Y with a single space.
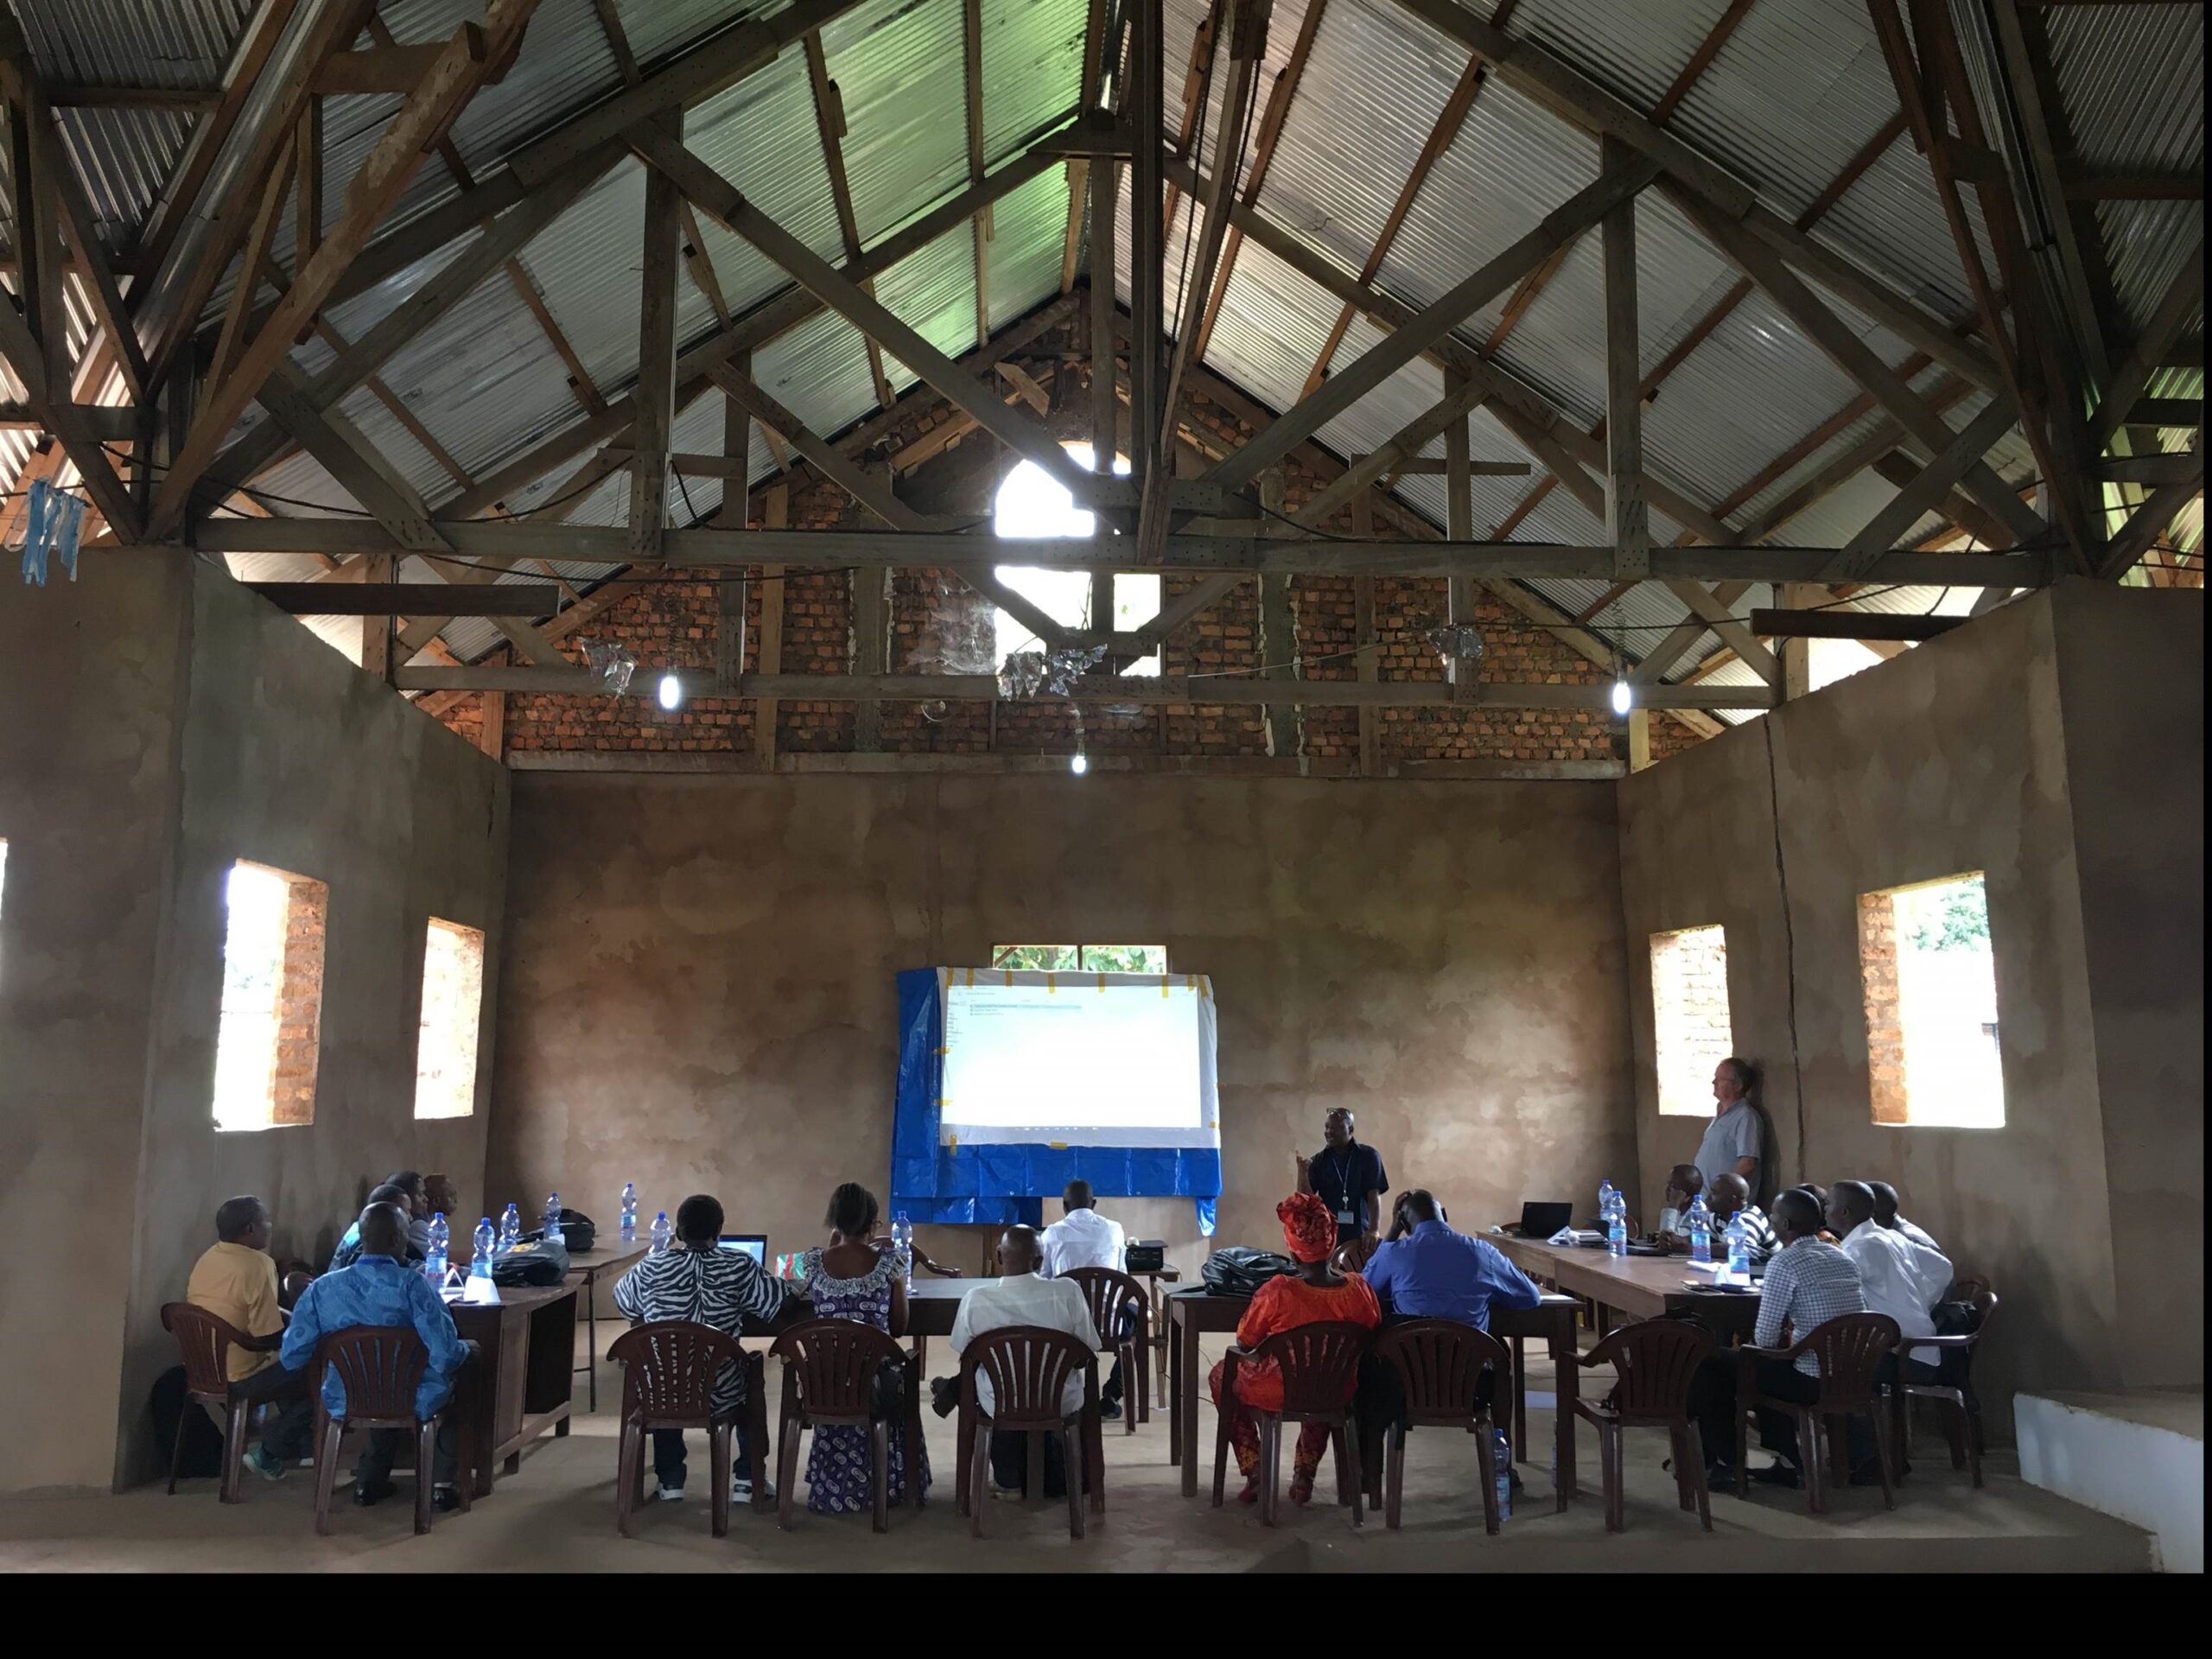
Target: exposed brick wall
x=1670 y=737
x=1689 y=1016
x=1877 y=974
x=299 y=1002
x=938 y=624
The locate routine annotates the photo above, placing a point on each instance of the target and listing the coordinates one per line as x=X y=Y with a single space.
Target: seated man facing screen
x=1885 y=1214
x=1684 y=1183
x=700 y=1281
x=349 y=1245
x=236 y=1280
x=1728 y=1197
x=1896 y=1276
x=1021 y=1296
x=380 y=1289
x=1083 y=1238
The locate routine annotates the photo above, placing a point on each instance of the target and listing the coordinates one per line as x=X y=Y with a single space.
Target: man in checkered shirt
x=1808 y=1283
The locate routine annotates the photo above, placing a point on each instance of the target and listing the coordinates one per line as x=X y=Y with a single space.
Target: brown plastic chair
x=1848 y=1350
x=1029 y=1367
x=1107 y=1292
x=1351 y=1256
x=1655 y=1361
x=1963 y=1422
x=1319 y=1365
x=829 y=1367
x=379 y=1367
x=206 y=1343
x=1440 y=1363
x=669 y=1370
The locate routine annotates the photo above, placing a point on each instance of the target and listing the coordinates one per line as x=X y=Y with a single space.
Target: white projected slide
x=1054 y=1057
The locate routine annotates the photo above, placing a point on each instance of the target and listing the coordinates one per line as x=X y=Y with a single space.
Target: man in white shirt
x=1896 y=1275
x=1083 y=1238
x=1022 y=1296
x=1885 y=1214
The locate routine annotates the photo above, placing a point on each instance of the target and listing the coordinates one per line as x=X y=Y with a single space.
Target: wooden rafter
x=1079 y=167
x=971 y=40
x=830 y=121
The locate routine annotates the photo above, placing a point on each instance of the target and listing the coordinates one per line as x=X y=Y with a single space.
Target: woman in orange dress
x=1315 y=1294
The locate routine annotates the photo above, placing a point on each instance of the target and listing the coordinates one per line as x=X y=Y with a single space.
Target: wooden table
x=1153 y=1282
x=586 y=1269
x=521 y=1379
x=1192 y=1314
x=1640 y=1286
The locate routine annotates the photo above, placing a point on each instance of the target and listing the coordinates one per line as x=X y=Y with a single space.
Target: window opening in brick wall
x=453 y=1006
x=4 y=874
x=1032 y=502
x=1690 y=1028
x=1083 y=958
x=1929 y=976
x=270 y=1035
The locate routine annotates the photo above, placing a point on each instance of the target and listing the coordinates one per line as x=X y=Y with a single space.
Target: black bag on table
x=577 y=1231
x=534 y=1263
x=1239 y=1270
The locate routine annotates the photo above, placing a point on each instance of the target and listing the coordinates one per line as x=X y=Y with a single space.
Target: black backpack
x=577 y=1231
x=201 y=1454
x=1238 y=1270
x=535 y=1262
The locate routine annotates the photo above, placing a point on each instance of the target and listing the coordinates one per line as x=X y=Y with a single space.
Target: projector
x=1148 y=1255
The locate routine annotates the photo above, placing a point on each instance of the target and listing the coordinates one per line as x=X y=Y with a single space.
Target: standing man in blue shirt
x=1349 y=1177
x=381 y=1289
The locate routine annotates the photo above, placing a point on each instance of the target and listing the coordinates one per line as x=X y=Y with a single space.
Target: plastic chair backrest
x=670 y=1367
x=836 y=1361
x=1441 y=1363
x=1108 y=1292
x=1848 y=1348
x=204 y=1341
x=1028 y=1367
x=379 y=1367
x=1320 y=1364
x=1655 y=1360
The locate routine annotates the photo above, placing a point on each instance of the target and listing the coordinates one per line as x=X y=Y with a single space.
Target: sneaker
x=368 y=1492
x=944 y=1396
x=263 y=1463
x=670 y=1494
x=444 y=1499
x=741 y=1490
x=1778 y=1474
x=1110 y=1410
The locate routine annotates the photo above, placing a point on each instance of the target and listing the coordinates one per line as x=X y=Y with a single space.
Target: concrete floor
x=558 y=1515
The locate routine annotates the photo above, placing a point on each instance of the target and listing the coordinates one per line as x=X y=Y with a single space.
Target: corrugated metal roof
x=900 y=67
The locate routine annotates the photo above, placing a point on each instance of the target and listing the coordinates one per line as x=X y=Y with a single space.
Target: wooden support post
x=1371 y=670
x=1639 y=739
x=775 y=514
x=491 y=734
x=1627 y=516
x=306 y=146
x=871 y=591
x=1105 y=407
x=655 y=398
x=377 y=631
x=1147 y=290
x=1797 y=654
x=1286 y=725
x=1459 y=518
x=729 y=593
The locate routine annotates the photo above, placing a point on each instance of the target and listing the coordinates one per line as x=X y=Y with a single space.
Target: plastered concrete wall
x=697 y=992
x=92 y=674
x=1952 y=757
x=2131 y=673
x=294 y=757
x=162 y=723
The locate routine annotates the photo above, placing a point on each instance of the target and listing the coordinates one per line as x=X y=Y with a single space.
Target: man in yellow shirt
x=236 y=1280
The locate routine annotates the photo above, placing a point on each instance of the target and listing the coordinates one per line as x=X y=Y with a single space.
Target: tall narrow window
x=1929 y=976
x=453 y=1003
x=271 y=1034
x=1690 y=1028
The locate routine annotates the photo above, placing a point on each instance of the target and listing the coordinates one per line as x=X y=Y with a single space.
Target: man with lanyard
x=1349 y=1178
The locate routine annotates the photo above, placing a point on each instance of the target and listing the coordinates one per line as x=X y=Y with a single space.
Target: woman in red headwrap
x=1315 y=1294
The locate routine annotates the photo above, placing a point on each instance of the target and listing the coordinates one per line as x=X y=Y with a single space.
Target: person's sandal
x=1302 y=1488
x=1251 y=1492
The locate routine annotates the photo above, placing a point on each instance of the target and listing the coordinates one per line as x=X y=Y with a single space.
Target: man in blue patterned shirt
x=381 y=1289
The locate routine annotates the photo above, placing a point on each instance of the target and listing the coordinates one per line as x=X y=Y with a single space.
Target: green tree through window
x=1082 y=958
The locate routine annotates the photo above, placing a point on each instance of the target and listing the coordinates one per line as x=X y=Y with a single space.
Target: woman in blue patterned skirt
x=851 y=1280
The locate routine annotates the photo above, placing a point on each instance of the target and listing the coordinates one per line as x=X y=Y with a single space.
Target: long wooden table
x=1640 y=1286
x=1191 y=1313
x=521 y=1381
x=588 y=1268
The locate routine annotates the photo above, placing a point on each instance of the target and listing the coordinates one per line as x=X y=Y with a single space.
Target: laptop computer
x=753 y=1244
x=1541 y=1220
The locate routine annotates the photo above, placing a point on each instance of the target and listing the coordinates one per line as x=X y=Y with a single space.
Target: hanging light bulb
x=672 y=691
x=1079 y=763
x=1623 y=699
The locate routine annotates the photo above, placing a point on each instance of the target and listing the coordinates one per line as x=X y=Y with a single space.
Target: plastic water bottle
x=1608 y=1199
x=479 y=1265
x=510 y=1230
x=902 y=1241
x=434 y=1264
x=1617 y=1230
x=1739 y=1252
x=662 y=1232
x=1502 y=1460
x=1700 y=1223
x=629 y=1212
x=553 y=1233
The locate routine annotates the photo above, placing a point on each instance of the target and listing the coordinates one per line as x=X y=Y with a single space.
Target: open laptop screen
x=753 y=1244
